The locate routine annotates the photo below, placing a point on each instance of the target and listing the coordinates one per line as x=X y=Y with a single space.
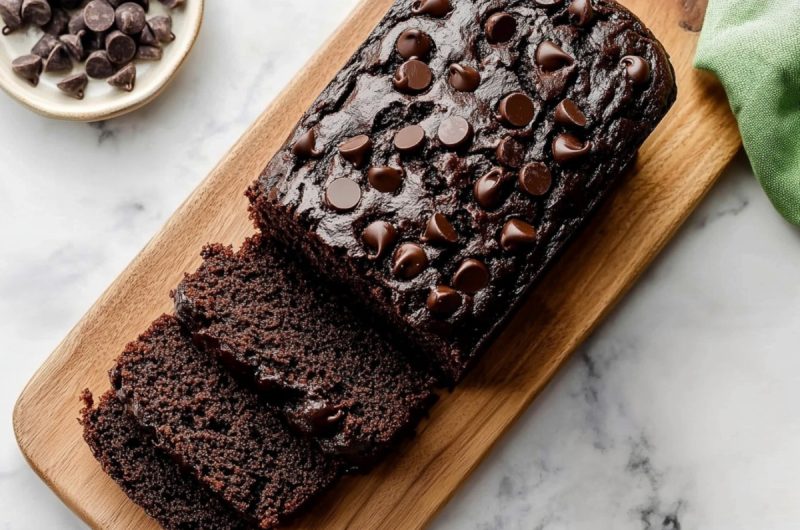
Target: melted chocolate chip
x=535 y=179
x=500 y=27
x=488 y=190
x=409 y=260
x=414 y=43
x=471 y=276
x=464 y=78
x=637 y=68
x=409 y=139
x=550 y=57
x=516 y=235
x=343 y=194
x=305 y=146
x=568 y=113
x=510 y=152
x=379 y=236
x=567 y=147
x=385 y=179
x=581 y=12
x=516 y=109
x=412 y=77
x=455 y=132
x=356 y=150
x=434 y=8
x=316 y=418
x=443 y=301
x=439 y=230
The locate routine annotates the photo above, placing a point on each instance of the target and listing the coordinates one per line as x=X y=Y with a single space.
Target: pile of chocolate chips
x=106 y=35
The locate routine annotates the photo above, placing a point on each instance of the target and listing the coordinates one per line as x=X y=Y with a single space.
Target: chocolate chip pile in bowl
x=79 y=40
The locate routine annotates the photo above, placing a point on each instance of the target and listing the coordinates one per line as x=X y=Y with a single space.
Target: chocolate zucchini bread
x=148 y=478
x=458 y=151
x=340 y=381
x=218 y=431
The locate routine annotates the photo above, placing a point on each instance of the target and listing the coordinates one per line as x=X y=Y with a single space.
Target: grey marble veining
x=679 y=413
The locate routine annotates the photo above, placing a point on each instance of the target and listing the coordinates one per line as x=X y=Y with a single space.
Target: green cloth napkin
x=753 y=47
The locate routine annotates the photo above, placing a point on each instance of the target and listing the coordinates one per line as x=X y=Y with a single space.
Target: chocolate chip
x=125 y=78
x=434 y=8
x=443 y=301
x=455 y=132
x=44 y=45
x=74 y=46
x=547 y=3
x=567 y=147
x=149 y=53
x=28 y=67
x=516 y=109
x=76 y=23
x=464 y=78
x=36 y=12
x=11 y=13
x=439 y=230
x=173 y=4
x=130 y=18
x=535 y=179
x=59 y=23
x=409 y=260
x=637 y=68
x=379 y=236
x=121 y=48
x=516 y=235
x=74 y=86
x=162 y=28
x=413 y=43
x=343 y=194
x=305 y=146
x=471 y=276
x=58 y=60
x=568 y=113
x=98 y=15
x=550 y=57
x=500 y=27
x=147 y=37
x=98 y=66
x=413 y=76
x=581 y=12
x=488 y=190
x=510 y=152
x=385 y=179
x=356 y=150
x=315 y=418
x=409 y=139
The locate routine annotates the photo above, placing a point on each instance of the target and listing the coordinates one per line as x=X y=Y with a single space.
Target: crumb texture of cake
x=338 y=380
x=150 y=479
x=219 y=432
x=458 y=151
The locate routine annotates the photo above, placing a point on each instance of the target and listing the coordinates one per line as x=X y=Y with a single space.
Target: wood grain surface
x=676 y=167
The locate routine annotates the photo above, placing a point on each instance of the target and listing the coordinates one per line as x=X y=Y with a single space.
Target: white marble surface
x=679 y=413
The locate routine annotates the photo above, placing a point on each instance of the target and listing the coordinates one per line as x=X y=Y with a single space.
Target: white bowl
x=101 y=101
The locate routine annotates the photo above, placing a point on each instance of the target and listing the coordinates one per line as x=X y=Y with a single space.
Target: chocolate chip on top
x=569 y=114
x=409 y=260
x=581 y=12
x=464 y=78
x=443 y=301
x=409 y=139
x=356 y=150
x=455 y=132
x=343 y=194
x=550 y=57
x=471 y=276
x=516 y=235
x=412 y=77
x=385 y=179
x=637 y=68
x=305 y=146
x=535 y=179
x=488 y=190
x=439 y=230
x=567 y=147
x=500 y=27
x=516 y=110
x=414 y=43
x=434 y=8
x=379 y=236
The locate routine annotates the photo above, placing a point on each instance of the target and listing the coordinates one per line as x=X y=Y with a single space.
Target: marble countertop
x=679 y=413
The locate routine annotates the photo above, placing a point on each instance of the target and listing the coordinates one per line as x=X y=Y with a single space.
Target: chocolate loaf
x=338 y=380
x=458 y=151
x=149 y=478
x=218 y=431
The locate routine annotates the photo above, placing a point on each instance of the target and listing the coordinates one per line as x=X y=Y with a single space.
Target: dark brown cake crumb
x=218 y=431
x=340 y=380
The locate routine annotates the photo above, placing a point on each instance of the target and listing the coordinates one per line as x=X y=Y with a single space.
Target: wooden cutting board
x=677 y=166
